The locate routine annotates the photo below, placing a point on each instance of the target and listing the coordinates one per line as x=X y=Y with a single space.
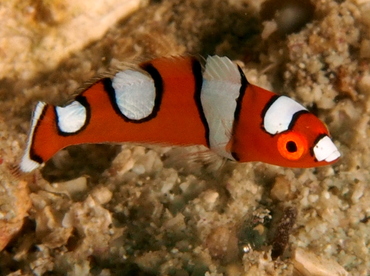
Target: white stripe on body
x=220 y=91
x=280 y=114
x=71 y=118
x=135 y=94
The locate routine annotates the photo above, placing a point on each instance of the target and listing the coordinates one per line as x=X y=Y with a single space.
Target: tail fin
x=30 y=161
x=52 y=129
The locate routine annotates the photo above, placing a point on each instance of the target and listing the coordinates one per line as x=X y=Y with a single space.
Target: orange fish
x=177 y=101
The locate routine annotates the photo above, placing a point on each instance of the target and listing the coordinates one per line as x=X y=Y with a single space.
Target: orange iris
x=291 y=145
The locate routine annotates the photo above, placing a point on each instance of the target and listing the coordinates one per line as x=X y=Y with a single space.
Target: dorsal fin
x=221 y=69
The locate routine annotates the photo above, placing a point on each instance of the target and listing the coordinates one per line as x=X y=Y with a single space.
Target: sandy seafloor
x=134 y=210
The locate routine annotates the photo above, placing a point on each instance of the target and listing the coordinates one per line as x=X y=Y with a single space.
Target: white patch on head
x=280 y=114
x=27 y=164
x=135 y=94
x=71 y=118
x=220 y=91
x=326 y=150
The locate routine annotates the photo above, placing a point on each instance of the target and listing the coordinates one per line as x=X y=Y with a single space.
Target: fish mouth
x=325 y=150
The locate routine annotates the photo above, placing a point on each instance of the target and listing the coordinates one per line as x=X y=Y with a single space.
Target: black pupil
x=291 y=146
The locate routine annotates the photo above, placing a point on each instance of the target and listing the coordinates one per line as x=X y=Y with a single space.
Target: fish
x=183 y=101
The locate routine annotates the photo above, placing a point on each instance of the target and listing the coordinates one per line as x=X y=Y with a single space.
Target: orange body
x=177 y=121
x=176 y=101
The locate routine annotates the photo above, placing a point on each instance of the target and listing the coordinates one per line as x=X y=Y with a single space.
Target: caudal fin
x=52 y=129
x=30 y=161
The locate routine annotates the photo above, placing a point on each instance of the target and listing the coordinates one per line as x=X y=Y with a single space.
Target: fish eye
x=291 y=145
